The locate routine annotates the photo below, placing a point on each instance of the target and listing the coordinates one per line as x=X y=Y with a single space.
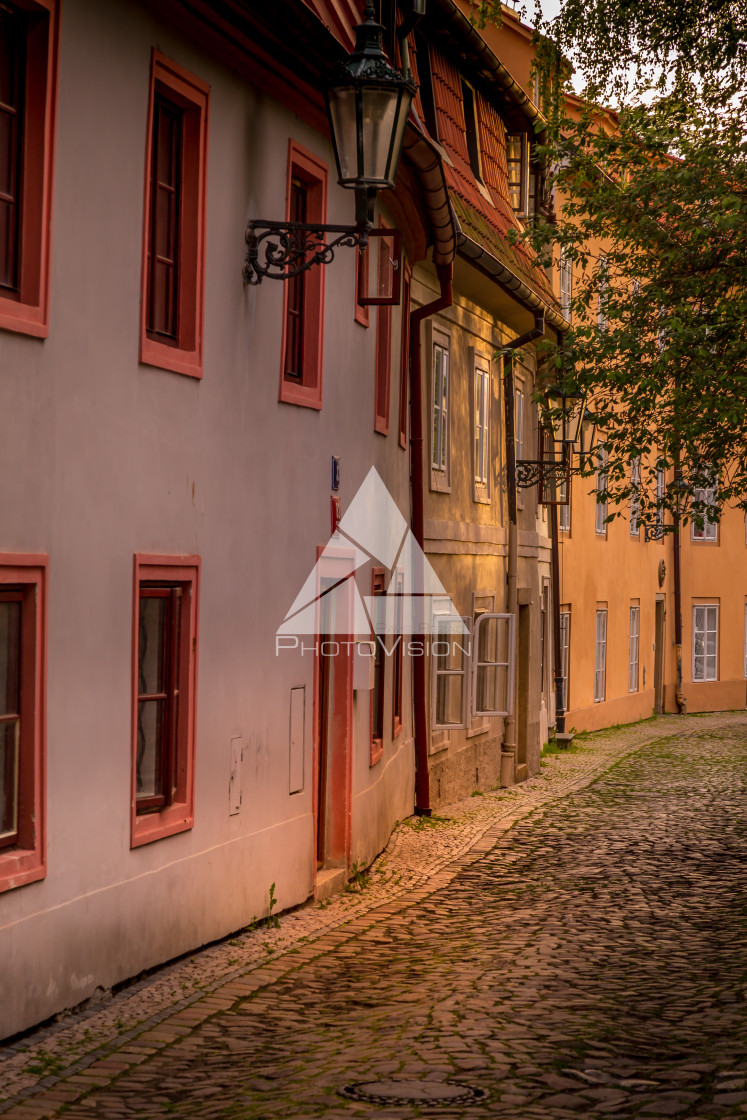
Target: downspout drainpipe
x=417 y=473
x=508 y=754
x=677 y=558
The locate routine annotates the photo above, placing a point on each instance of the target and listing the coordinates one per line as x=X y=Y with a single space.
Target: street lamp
x=566 y=415
x=368 y=103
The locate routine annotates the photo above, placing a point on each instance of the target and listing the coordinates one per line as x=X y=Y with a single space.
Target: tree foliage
x=651 y=209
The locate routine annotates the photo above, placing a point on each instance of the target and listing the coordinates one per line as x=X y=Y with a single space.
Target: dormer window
x=517 y=164
x=471 y=129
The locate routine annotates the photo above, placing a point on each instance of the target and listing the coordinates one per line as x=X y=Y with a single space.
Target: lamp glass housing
x=368 y=102
x=588 y=436
x=568 y=409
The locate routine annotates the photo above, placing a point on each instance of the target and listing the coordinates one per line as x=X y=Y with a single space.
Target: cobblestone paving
x=574 y=947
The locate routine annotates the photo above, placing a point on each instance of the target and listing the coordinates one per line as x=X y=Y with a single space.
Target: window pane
x=151 y=730
x=449 y=699
x=152 y=645
x=10 y=658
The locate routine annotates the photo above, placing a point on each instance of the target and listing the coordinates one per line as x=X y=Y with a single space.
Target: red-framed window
x=404 y=361
x=383 y=338
x=362 y=263
x=397 y=655
x=166 y=609
x=303 y=296
x=174 y=229
x=28 y=87
x=23 y=594
x=378 y=588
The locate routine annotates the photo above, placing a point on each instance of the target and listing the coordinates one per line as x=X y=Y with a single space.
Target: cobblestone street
x=575 y=946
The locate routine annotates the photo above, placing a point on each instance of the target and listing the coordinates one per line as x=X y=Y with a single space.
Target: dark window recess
x=293 y=363
x=470 y=128
x=425 y=77
x=165 y=215
x=377 y=699
x=12 y=67
x=11 y=605
x=515 y=161
x=158 y=700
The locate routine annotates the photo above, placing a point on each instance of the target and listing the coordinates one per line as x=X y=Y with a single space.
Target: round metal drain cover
x=394 y=1091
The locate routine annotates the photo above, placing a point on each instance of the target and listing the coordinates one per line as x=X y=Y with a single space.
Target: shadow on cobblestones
x=591 y=963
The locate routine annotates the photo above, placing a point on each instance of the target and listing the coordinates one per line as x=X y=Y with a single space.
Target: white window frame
x=635 y=496
x=509 y=665
x=439 y=412
x=523 y=162
x=602 y=291
x=600 y=512
x=709 y=613
x=482 y=400
x=660 y=491
x=565 y=284
x=709 y=532
x=564 y=508
x=634 y=645
x=519 y=419
x=464 y=640
x=600 y=656
x=565 y=650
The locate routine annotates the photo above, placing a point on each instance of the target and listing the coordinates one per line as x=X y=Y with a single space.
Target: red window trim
x=404 y=361
x=398 y=659
x=383 y=350
x=304 y=165
x=27 y=861
x=179 y=815
x=362 y=263
x=378 y=587
x=27 y=310
x=184 y=89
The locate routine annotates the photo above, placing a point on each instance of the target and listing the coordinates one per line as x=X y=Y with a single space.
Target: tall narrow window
x=602 y=292
x=294 y=308
x=303 y=295
x=482 y=397
x=174 y=242
x=660 y=492
x=164 y=693
x=166 y=208
x=516 y=162
x=397 y=658
x=705 y=643
x=701 y=528
x=28 y=81
x=12 y=67
x=404 y=360
x=565 y=278
x=425 y=84
x=600 y=656
x=440 y=409
x=449 y=665
x=600 y=512
x=564 y=506
x=383 y=344
x=379 y=681
x=471 y=129
x=635 y=496
x=519 y=420
x=22 y=636
x=565 y=647
x=633 y=647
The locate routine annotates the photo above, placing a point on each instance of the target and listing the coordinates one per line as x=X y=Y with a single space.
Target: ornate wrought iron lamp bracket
x=282 y=250
x=533 y=472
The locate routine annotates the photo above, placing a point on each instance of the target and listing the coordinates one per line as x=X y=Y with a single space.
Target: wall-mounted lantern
x=368 y=103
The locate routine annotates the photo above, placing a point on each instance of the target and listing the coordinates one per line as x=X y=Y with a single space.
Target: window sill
x=481 y=495
x=155 y=826
x=170 y=358
x=439 y=482
x=23 y=318
x=377 y=752
x=473 y=732
x=19 y=866
x=301 y=395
